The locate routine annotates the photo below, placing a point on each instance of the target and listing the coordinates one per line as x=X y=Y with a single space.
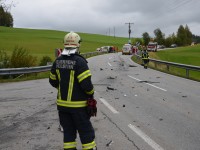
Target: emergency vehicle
x=152 y=46
x=127 y=49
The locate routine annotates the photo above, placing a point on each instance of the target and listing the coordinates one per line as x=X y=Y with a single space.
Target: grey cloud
x=102 y=16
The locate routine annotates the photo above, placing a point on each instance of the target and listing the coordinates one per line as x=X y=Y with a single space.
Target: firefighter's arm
x=86 y=84
x=53 y=79
x=84 y=77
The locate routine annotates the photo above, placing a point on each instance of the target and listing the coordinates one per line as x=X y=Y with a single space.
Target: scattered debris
x=184 y=96
x=109 y=88
x=109 y=143
x=48 y=128
x=125 y=95
x=111 y=77
x=136 y=95
x=132 y=66
x=163 y=99
x=157 y=77
x=161 y=119
x=101 y=69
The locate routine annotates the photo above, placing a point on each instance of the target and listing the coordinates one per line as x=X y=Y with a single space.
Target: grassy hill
x=43 y=42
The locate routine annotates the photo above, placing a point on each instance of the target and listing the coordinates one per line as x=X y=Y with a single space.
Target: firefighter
x=75 y=101
x=145 y=57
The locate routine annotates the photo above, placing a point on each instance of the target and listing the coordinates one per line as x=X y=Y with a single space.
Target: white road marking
x=109 y=64
x=109 y=106
x=145 y=137
x=148 y=83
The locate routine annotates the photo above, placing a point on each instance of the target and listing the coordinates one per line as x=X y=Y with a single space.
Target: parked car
x=109 y=49
x=160 y=46
x=173 y=46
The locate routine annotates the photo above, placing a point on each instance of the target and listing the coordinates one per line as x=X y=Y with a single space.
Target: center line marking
x=145 y=137
x=148 y=83
x=109 y=106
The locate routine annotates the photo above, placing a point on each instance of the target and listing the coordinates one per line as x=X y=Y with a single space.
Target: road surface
x=138 y=109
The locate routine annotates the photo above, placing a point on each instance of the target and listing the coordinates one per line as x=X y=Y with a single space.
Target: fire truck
x=152 y=46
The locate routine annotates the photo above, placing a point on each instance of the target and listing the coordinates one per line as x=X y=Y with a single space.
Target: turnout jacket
x=72 y=77
x=145 y=55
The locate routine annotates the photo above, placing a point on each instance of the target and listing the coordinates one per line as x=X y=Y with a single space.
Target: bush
x=4 y=59
x=45 y=60
x=21 y=58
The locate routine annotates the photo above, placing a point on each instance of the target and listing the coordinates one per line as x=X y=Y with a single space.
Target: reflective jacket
x=72 y=77
x=145 y=55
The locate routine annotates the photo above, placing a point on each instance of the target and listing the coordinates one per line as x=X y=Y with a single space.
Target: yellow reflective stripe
x=90 y=92
x=89 y=145
x=58 y=73
x=52 y=76
x=71 y=84
x=69 y=145
x=76 y=104
x=84 y=75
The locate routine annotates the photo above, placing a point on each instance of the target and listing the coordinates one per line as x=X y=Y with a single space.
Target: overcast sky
x=106 y=16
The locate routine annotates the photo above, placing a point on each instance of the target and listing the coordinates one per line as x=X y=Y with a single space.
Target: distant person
x=145 y=57
x=75 y=101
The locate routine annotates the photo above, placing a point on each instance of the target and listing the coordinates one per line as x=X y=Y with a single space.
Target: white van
x=127 y=49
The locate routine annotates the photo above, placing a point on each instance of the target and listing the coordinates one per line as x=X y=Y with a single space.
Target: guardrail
x=178 y=65
x=27 y=70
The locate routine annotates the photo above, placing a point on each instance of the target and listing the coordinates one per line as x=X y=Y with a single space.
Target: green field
x=189 y=55
x=41 y=43
x=185 y=55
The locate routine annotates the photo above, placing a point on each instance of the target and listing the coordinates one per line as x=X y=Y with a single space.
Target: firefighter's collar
x=69 y=51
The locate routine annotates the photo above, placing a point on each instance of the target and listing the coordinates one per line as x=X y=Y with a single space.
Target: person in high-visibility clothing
x=70 y=74
x=145 y=57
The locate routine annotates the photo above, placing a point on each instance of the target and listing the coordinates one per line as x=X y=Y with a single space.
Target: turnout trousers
x=75 y=120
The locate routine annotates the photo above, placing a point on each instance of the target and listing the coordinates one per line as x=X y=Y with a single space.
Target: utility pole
x=129 y=30
x=114 y=32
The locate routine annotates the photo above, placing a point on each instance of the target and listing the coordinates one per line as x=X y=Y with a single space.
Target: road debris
x=109 y=88
x=109 y=143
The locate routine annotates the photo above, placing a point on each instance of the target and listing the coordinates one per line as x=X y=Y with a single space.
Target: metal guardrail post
x=187 y=73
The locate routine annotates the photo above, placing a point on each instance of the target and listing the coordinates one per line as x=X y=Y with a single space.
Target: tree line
x=6 y=18
x=183 y=37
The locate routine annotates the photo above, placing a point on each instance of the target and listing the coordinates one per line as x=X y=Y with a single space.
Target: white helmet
x=72 y=40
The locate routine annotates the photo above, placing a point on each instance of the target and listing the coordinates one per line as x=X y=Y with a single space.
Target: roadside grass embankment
x=189 y=55
x=40 y=43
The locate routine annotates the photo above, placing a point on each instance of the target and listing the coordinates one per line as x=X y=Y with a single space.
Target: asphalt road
x=138 y=109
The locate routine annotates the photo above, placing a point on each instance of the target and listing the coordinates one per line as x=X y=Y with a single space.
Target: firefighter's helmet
x=72 y=40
